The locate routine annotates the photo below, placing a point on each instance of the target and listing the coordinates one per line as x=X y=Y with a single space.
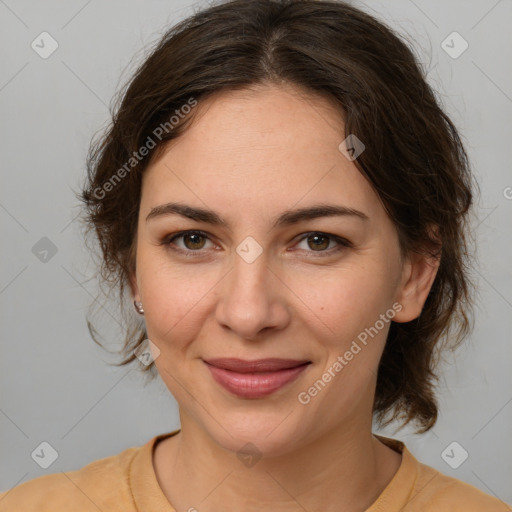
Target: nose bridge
x=248 y=282
x=249 y=302
x=250 y=268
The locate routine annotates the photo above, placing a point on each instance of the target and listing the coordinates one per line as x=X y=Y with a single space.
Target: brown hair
x=414 y=158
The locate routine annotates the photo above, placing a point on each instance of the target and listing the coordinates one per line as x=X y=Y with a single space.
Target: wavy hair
x=415 y=162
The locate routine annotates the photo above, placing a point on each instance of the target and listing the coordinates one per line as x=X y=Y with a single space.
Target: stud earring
x=138 y=307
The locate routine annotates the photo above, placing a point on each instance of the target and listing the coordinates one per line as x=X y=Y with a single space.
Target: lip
x=255 y=379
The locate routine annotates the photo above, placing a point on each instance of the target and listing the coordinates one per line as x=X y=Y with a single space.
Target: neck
x=345 y=468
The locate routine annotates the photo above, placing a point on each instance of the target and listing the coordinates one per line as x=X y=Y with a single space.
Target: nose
x=252 y=298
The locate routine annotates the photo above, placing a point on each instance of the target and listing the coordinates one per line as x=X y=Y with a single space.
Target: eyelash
x=343 y=243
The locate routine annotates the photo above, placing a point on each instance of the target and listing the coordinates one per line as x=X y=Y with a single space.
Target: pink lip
x=255 y=379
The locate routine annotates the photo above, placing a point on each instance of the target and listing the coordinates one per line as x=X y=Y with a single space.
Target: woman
x=285 y=202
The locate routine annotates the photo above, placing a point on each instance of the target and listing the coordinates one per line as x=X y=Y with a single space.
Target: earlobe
x=419 y=273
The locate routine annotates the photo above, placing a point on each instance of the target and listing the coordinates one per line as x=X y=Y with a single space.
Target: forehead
x=267 y=148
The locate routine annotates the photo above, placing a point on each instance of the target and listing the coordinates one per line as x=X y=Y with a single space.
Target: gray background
x=56 y=385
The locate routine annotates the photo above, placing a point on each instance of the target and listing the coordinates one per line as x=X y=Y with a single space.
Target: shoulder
x=100 y=485
x=435 y=491
x=417 y=487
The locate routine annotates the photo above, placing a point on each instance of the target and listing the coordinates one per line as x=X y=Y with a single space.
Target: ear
x=419 y=272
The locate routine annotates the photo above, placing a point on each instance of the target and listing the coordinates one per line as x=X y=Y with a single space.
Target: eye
x=193 y=241
x=320 y=242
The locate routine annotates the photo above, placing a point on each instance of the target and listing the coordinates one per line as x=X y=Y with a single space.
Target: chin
x=271 y=434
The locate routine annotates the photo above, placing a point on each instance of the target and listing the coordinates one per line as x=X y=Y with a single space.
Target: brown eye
x=319 y=242
x=193 y=241
x=188 y=242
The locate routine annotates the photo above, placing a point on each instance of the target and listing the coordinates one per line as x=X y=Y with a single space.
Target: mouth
x=255 y=379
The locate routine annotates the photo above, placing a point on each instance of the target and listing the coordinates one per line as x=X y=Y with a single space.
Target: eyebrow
x=287 y=218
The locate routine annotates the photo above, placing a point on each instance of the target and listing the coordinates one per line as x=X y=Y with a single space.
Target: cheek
x=175 y=298
x=342 y=303
x=174 y=316
x=350 y=302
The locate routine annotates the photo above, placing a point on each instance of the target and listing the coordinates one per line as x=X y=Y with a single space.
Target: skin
x=250 y=155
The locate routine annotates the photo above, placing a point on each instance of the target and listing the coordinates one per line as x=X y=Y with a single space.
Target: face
x=253 y=280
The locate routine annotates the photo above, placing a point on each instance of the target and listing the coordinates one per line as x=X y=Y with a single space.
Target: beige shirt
x=127 y=482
